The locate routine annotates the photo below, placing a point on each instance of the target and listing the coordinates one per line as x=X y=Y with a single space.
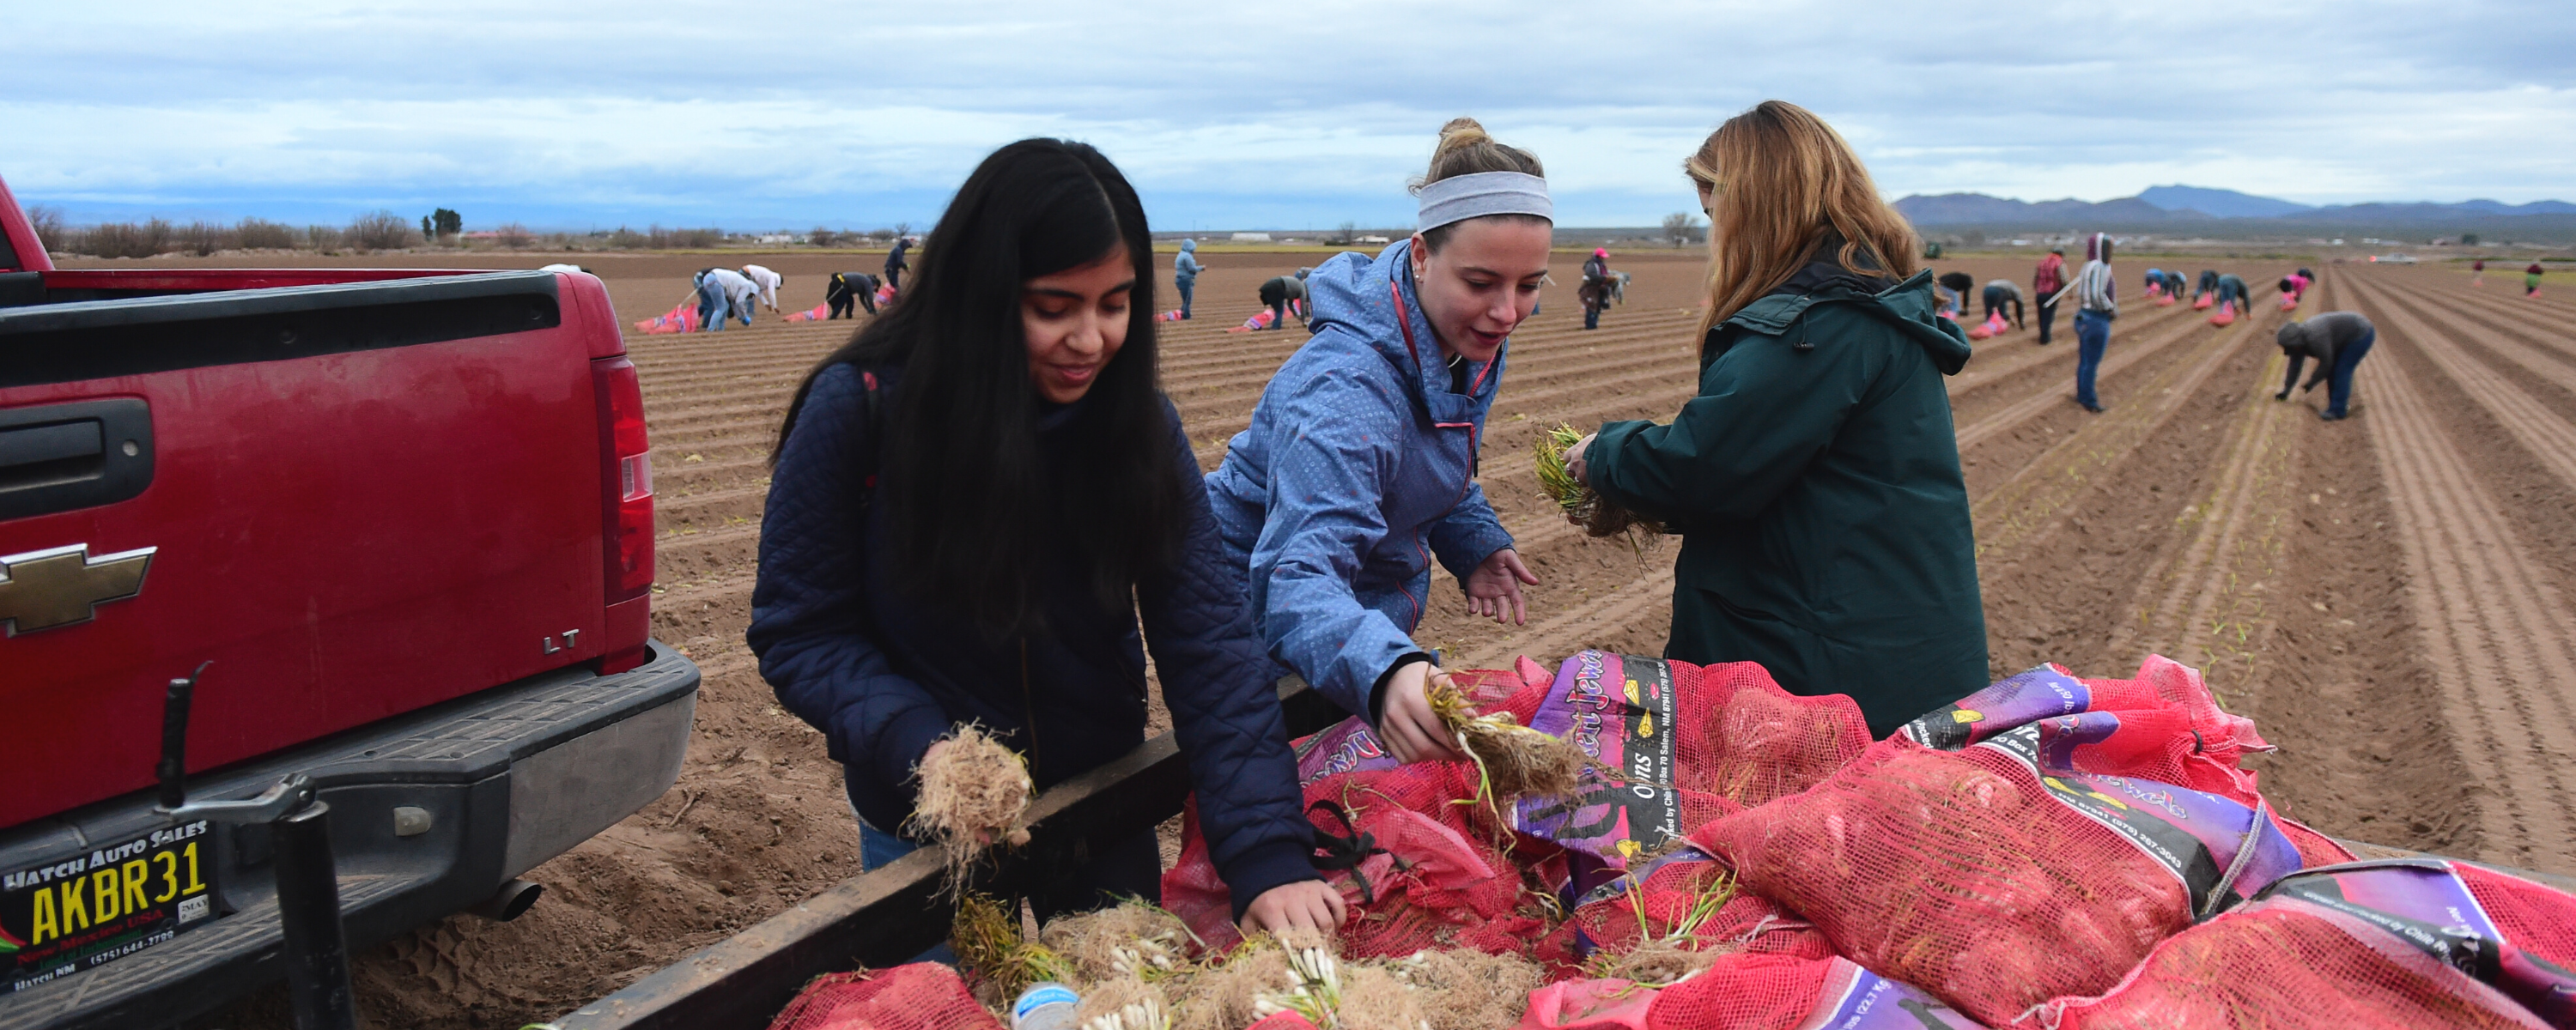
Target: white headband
x=1461 y=197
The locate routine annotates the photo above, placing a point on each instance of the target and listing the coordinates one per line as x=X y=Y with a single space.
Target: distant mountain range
x=2178 y=207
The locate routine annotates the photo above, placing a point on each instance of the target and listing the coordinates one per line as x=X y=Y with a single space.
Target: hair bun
x=1460 y=133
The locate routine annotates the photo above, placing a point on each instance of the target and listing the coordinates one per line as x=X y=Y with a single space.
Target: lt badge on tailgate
x=63 y=586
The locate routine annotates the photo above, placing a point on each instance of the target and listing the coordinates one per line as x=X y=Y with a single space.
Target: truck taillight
x=628 y=476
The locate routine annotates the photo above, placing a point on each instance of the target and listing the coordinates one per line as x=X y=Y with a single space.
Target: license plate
x=86 y=911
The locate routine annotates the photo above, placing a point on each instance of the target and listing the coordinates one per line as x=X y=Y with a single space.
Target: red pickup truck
x=406 y=514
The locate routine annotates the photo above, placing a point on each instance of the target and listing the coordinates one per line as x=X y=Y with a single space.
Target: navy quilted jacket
x=882 y=680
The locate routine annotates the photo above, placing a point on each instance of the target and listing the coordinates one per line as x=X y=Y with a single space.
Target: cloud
x=1237 y=115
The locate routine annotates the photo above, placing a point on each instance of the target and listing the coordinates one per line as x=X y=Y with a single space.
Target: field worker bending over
x=768 y=282
x=2174 y=285
x=2231 y=290
x=2208 y=285
x=2337 y=339
x=1360 y=465
x=2002 y=292
x=2097 y=302
x=848 y=290
x=2045 y=285
x=1953 y=290
x=1284 y=296
x=731 y=294
x=1185 y=274
x=973 y=503
x=2531 y=280
x=1815 y=478
x=2155 y=282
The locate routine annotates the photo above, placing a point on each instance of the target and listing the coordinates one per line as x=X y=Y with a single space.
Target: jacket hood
x=2097 y=247
x=1189 y=244
x=1909 y=307
x=1374 y=300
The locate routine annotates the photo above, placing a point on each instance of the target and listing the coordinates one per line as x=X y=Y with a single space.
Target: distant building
x=1375 y=239
x=1252 y=237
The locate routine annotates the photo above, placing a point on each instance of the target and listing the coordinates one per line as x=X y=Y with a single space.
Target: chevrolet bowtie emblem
x=63 y=586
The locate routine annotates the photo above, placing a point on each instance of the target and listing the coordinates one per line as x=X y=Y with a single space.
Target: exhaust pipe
x=510 y=902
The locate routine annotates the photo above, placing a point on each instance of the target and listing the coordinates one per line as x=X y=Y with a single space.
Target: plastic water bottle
x=1045 y=1005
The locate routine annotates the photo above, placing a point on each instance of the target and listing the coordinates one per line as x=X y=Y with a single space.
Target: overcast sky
x=1231 y=115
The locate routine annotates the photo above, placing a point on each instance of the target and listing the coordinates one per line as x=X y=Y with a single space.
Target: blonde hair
x=1778 y=177
x=1465 y=149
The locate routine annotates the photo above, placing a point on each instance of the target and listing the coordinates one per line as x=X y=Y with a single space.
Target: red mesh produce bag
x=1421 y=871
x=1436 y=873
x=2509 y=933
x=2287 y=963
x=1282 y=1021
x=1994 y=886
x=1588 y=1005
x=1668 y=899
x=1669 y=739
x=1780 y=992
x=1765 y=743
x=1352 y=745
x=920 y=996
x=1345 y=764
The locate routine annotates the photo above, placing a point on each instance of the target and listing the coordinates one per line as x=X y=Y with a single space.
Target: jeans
x=712 y=309
x=2339 y=381
x=2047 y=318
x=876 y=848
x=2092 y=334
x=1186 y=288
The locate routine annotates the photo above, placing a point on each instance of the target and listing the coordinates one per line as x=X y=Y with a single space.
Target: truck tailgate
x=355 y=500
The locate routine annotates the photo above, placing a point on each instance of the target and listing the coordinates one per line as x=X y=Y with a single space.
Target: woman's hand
x=1304 y=905
x=1408 y=727
x=1496 y=586
x=1575 y=465
x=931 y=754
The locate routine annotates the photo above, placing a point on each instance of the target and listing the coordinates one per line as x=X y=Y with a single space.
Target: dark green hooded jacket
x=1816 y=481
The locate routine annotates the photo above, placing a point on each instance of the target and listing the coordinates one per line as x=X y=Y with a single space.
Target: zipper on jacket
x=1028 y=706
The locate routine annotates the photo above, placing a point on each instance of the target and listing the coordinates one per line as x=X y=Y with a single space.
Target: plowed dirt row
x=2499 y=638
x=2385 y=594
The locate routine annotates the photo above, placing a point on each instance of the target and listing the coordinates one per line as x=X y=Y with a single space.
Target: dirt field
x=2388 y=596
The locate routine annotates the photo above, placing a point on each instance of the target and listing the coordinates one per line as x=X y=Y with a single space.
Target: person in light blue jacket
x=1360 y=465
x=1185 y=274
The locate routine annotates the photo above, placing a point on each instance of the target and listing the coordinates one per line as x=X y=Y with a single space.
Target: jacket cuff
x=899 y=748
x=1271 y=865
x=1602 y=459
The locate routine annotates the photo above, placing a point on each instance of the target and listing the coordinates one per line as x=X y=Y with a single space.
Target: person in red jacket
x=2045 y=285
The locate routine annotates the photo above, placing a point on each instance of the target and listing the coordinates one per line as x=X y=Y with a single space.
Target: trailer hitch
x=308 y=887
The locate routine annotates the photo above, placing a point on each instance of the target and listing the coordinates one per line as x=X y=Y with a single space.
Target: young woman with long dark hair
x=974 y=501
x=1360 y=465
x=1816 y=476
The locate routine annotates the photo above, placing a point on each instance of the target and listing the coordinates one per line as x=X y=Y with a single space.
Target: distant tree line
x=384 y=230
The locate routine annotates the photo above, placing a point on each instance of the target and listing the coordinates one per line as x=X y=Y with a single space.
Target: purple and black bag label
x=2425 y=903
x=1619 y=709
x=2194 y=835
x=1857 y=999
x=2013 y=701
